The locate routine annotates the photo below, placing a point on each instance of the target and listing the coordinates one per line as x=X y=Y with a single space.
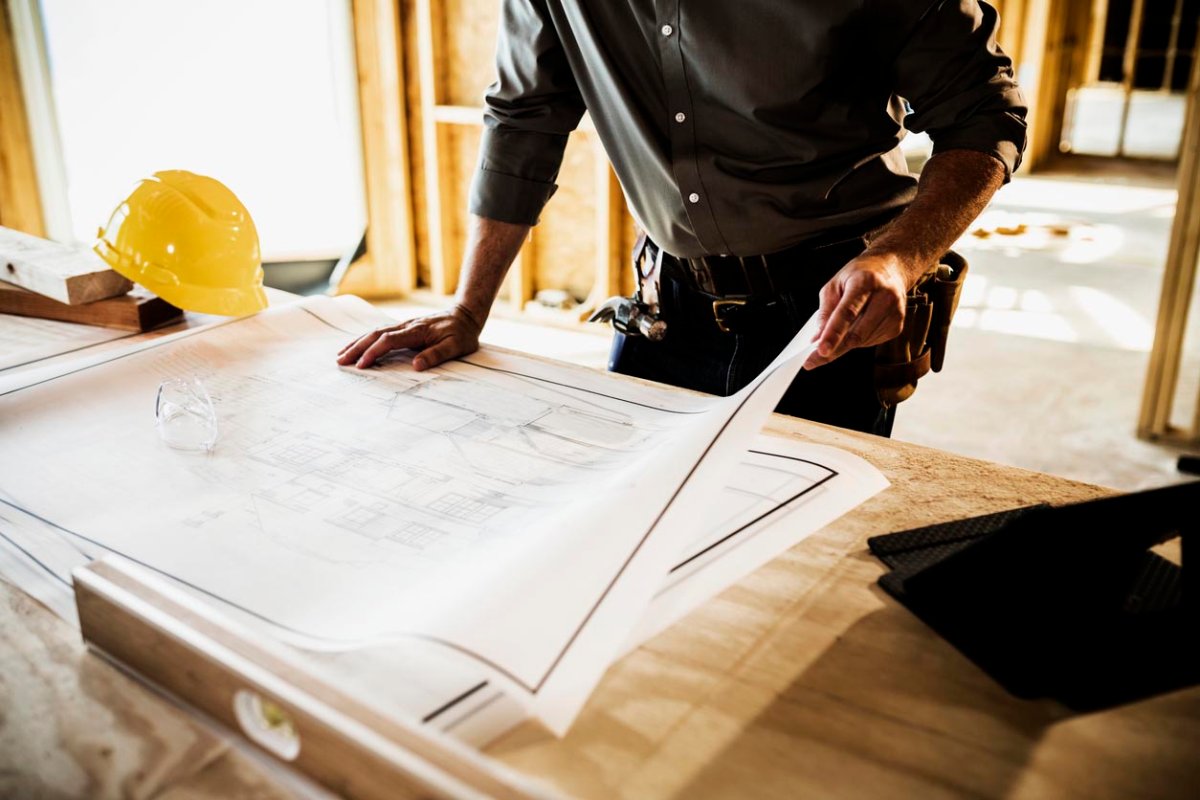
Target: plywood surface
x=801 y=680
x=72 y=726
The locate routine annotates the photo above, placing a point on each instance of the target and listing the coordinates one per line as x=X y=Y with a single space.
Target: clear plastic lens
x=185 y=415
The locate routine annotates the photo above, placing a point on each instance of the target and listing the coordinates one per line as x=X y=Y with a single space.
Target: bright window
x=259 y=94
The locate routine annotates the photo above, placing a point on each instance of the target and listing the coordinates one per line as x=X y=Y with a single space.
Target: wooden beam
x=1054 y=61
x=1129 y=68
x=66 y=273
x=440 y=208
x=378 y=45
x=1095 y=42
x=470 y=116
x=20 y=200
x=610 y=258
x=1179 y=281
x=1172 y=47
x=137 y=310
x=1011 y=35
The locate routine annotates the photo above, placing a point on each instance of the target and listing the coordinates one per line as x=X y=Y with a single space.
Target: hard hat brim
x=225 y=301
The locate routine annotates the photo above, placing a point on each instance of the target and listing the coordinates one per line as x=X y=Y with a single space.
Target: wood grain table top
x=802 y=680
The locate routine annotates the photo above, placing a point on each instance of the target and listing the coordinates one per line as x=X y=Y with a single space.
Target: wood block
x=137 y=310
x=68 y=274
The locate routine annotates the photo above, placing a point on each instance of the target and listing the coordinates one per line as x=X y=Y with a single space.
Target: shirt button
x=667 y=30
x=680 y=117
x=693 y=198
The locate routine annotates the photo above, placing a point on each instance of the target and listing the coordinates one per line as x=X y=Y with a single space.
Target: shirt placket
x=685 y=164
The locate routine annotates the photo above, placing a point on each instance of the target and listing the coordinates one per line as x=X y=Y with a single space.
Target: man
x=757 y=144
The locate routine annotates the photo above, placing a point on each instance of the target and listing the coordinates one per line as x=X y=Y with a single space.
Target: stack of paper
x=471 y=544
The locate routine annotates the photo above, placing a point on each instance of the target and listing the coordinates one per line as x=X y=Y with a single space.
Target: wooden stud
x=1051 y=52
x=443 y=118
x=391 y=268
x=1012 y=29
x=610 y=258
x=440 y=207
x=1129 y=68
x=20 y=199
x=1095 y=43
x=471 y=116
x=1172 y=46
x=1034 y=34
x=1179 y=280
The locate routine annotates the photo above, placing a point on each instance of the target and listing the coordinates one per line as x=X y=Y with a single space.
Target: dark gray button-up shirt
x=742 y=126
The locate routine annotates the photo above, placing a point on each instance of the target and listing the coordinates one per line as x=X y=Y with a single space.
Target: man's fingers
x=889 y=325
x=872 y=326
x=841 y=320
x=438 y=334
x=877 y=322
x=389 y=341
x=829 y=297
x=350 y=344
x=350 y=353
x=844 y=329
x=444 y=350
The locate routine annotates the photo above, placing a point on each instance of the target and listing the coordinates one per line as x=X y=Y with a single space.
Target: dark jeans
x=696 y=354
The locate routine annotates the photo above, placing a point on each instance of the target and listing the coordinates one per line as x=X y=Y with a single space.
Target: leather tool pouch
x=921 y=345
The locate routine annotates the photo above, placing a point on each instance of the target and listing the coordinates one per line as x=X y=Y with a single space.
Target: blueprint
x=24 y=340
x=490 y=527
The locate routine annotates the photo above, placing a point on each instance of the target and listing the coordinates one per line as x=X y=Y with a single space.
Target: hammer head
x=610 y=309
x=631 y=318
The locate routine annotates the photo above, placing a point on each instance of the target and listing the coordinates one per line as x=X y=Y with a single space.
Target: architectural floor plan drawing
x=497 y=526
x=25 y=340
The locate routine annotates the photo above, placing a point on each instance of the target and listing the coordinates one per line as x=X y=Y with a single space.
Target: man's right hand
x=438 y=337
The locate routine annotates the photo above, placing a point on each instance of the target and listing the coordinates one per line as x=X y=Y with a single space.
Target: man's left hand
x=862 y=305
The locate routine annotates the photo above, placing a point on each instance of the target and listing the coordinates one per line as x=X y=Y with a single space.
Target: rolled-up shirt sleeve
x=529 y=112
x=960 y=84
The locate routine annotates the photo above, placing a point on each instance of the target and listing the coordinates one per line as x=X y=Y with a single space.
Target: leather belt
x=744 y=278
x=739 y=287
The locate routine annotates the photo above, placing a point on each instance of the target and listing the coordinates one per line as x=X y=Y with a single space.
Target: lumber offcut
x=68 y=274
x=137 y=310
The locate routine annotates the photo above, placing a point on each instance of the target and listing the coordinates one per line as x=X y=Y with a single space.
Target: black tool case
x=1067 y=602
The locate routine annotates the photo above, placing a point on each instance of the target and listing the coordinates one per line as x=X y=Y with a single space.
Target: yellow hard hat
x=189 y=240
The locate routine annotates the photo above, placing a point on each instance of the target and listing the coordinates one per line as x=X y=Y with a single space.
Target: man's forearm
x=955 y=186
x=864 y=303
x=491 y=248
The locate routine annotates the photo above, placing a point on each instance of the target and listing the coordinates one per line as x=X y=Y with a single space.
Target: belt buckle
x=721 y=307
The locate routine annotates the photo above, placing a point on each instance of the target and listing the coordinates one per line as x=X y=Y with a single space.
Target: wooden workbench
x=804 y=680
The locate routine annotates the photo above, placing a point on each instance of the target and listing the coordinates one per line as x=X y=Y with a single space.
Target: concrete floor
x=1047 y=360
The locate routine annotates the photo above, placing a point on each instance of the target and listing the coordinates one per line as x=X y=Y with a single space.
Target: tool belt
x=921 y=345
x=732 y=283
